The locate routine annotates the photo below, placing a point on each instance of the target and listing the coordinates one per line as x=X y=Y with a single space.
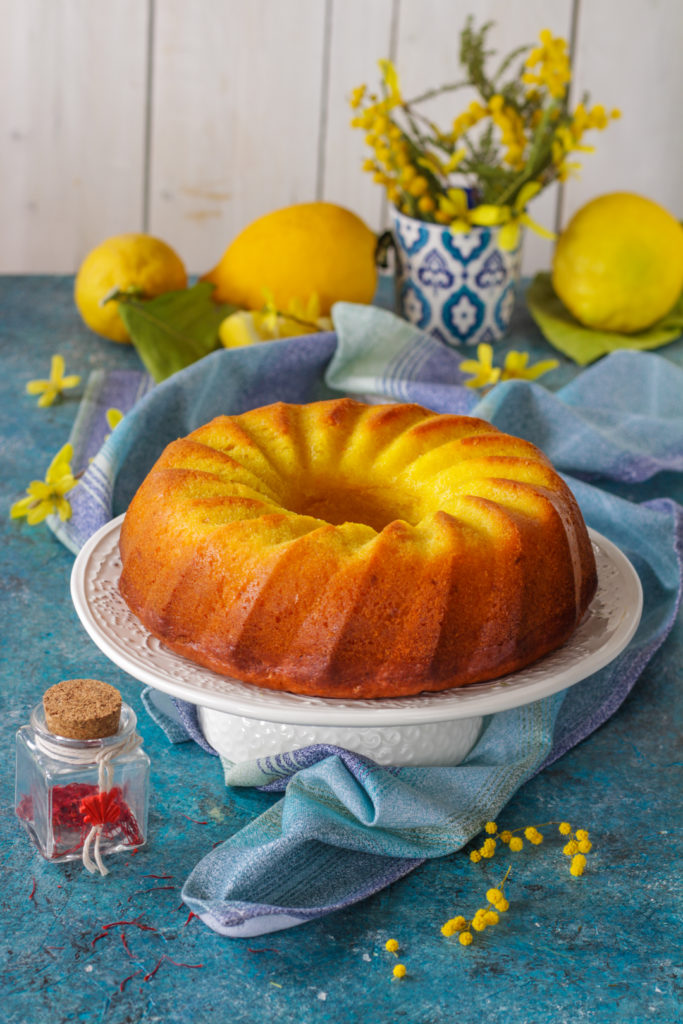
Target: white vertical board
x=72 y=79
x=236 y=111
x=630 y=56
x=427 y=56
x=361 y=35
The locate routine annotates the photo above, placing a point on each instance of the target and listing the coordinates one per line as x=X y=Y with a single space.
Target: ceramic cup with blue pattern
x=459 y=287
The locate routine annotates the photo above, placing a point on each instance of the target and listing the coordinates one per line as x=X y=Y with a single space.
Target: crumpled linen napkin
x=347 y=827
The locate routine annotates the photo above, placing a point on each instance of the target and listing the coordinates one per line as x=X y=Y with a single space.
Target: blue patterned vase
x=458 y=287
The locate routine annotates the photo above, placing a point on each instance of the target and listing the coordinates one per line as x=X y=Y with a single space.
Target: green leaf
x=175 y=329
x=584 y=345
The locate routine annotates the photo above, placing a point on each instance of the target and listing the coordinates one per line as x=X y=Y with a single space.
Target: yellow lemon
x=293 y=252
x=137 y=262
x=618 y=266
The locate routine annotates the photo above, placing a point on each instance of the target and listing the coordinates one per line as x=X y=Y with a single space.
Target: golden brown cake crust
x=344 y=550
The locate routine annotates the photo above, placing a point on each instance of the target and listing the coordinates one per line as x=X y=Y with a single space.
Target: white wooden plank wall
x=188 y=118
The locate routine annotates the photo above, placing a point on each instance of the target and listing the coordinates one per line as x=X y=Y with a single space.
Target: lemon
x=137 y=262
x=618 y=266
x=293 y=252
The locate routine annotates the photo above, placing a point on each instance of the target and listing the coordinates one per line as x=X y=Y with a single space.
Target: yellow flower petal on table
x=53 y=387
x=47 y=497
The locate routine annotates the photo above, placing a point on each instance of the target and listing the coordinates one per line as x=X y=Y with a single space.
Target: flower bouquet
x=460 y=193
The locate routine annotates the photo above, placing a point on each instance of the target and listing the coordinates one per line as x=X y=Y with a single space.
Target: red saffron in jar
x=77 y=807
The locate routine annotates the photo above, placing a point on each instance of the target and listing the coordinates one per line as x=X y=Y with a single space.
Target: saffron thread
x=154 y=888
x=33 y=890
x=154 y=970
x=194 y=820
x=126 y=980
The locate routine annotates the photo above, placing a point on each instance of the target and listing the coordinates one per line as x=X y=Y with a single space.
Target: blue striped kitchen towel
x=346 y=827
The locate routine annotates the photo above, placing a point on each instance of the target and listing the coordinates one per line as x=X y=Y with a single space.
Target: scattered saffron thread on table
x=154 y=888
x=126 y=946
x=135 y=922
x=265 y=949
x=154 y=970
x=194 y=820
x=189 y=918
x=157 y=876
x=32 y=893
x=126 y=980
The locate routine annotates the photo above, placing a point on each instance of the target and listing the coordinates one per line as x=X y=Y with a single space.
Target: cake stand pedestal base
x=445 y=743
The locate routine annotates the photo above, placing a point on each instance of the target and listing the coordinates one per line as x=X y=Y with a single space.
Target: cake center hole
x=375 y=507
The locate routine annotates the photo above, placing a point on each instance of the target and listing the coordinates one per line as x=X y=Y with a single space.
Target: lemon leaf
x=175 y=329
x=584 y=345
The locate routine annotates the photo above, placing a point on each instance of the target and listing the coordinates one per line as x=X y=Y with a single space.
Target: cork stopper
x=82 y=709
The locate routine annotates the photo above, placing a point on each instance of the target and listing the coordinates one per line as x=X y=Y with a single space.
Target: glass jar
x=76 y=795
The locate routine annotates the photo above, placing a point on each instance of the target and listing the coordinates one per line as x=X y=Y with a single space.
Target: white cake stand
x=243 y=721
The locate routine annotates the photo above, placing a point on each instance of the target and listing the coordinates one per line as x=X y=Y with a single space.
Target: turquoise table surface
x=602 y=948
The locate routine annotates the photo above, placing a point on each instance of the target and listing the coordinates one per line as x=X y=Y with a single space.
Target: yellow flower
x=516 y=368
x=50 y=389
x=418 y=186
x=454 y=205
x=456 y=924
x=494 y=896
x=551 y=62
x=511 y=218
x=491 y=917
x=482 y=368
x=113 y=418
x=489 y=848
x=45 y=497
x=249 y=328
x=491 y=828
x=531 y=833
x=585 y=846
x=465 y=938
x=390 y=76
x=516 y=844
x=391 y=945
x=581 y=833
x=505 y=836
x=475 y=856
x=357 y=96
x=399 y=971
x=426 y=204
x=502 y=905
x=454 y=160
x=564 y=828
x=578 y=864
x=571 y=848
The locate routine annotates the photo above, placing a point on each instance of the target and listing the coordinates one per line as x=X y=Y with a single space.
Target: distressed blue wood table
x=602 y=948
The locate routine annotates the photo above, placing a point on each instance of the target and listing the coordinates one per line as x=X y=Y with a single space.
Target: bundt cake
x=343 y=550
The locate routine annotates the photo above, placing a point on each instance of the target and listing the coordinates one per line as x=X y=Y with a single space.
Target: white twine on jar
x=105 y=777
